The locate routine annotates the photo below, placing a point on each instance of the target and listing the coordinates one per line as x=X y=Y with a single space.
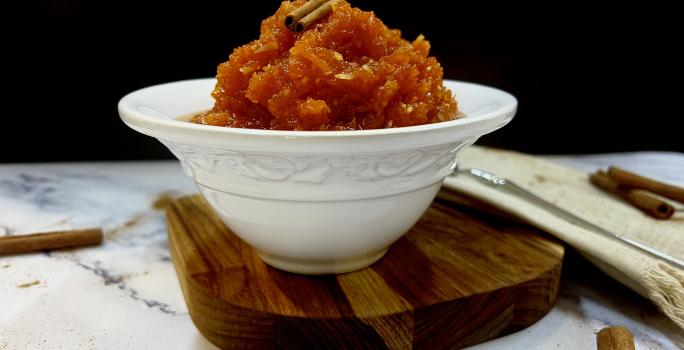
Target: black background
x=588 y=79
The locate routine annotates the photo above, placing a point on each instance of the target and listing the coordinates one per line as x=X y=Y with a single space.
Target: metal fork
x=510 y=187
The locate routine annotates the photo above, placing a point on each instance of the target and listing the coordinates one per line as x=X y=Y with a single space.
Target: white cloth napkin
x=662 y=283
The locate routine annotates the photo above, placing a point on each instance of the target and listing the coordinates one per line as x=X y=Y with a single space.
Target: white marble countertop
x=125 y=295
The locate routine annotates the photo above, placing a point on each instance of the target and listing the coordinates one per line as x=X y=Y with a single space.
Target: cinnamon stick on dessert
x=307 y=14
x=643 y=200
x=626 y=178
x=313 y=16
x=50 y=240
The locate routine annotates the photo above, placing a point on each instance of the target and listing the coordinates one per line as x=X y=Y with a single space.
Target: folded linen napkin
x=571 y=190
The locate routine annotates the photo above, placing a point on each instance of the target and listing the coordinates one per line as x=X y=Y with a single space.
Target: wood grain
x=458 y=278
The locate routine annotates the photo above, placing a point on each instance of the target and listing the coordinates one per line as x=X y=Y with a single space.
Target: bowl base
x=322 y=267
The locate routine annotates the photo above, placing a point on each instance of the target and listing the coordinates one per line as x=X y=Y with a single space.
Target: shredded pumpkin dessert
x=346 y=72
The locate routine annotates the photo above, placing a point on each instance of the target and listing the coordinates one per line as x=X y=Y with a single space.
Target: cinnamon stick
x=50 y=240
x=314 y=16
x=641 y=199
x=614 y=338
x=293 y=18
x=627 y=178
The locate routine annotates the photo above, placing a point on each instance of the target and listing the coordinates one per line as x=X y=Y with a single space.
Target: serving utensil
x=512 y=188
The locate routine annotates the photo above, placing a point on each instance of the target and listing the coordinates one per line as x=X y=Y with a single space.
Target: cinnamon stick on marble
x=641 y=199
x=50 y=240
x=627 y=178
x=614 y=338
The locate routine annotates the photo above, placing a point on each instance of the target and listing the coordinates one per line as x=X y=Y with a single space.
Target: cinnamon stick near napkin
x=614 y=338
x=50 y=240
x=627 y=178
x=643 y=200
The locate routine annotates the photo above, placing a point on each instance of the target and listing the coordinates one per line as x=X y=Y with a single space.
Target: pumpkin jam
x=348 y=72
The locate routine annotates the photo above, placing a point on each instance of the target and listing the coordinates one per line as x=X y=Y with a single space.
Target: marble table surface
x=124 y=294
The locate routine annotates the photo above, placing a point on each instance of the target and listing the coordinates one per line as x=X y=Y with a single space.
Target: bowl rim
x=134 y=117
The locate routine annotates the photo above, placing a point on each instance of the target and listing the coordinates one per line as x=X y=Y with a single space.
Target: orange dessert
x=346 y=72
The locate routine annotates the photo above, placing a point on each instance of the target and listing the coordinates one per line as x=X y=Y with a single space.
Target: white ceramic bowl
x=315 y=202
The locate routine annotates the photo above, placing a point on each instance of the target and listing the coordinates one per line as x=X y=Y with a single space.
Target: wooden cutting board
x=458 y=278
